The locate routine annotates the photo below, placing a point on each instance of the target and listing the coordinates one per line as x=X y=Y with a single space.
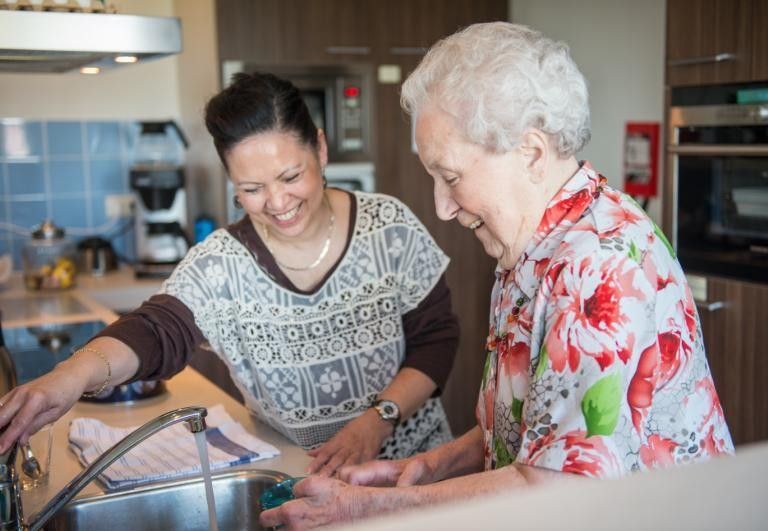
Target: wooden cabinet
x=294 y=31
x=375 y=32
x=760 y=41
x=736 y=338
x=716 y=41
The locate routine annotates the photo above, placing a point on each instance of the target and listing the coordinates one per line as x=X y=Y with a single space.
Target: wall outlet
x=118 y=205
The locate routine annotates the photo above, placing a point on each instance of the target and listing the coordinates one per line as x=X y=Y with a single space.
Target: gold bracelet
x=109 y=370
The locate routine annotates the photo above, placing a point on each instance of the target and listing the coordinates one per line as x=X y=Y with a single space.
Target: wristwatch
x=388 y=411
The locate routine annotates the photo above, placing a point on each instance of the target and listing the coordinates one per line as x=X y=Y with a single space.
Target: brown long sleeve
x=162 y=332
x=432 y=335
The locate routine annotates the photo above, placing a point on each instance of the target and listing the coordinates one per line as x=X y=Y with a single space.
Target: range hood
x=60 y=42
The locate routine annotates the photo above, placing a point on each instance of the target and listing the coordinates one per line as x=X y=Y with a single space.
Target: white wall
x=619 y=46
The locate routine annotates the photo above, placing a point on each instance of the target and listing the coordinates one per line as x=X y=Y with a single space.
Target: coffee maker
x=157 y=181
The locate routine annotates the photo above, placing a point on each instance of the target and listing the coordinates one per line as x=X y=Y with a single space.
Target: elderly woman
x=330 y=308
x=595 y=364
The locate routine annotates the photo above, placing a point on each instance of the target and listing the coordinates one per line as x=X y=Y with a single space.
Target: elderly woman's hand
x=416 y=470
x=357 y=442
x=319 y=501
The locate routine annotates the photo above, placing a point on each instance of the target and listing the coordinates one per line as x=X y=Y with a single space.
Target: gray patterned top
x=308 y=363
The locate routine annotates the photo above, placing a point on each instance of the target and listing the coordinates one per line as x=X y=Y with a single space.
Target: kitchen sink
x=171 y=506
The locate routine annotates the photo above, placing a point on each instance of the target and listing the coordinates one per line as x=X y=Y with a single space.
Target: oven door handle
x=710 y=306
x=760 y=150
x=707 y=59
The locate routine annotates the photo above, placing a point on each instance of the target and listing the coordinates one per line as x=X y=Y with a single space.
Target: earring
x=325 y=182
x=236 y=202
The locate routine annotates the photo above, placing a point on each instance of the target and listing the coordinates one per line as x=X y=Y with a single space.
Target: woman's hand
x=319 y=501
x=31 y=406
x=357 y=442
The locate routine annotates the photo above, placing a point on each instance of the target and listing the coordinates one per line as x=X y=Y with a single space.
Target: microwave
x=718 y=190
x=339 y=98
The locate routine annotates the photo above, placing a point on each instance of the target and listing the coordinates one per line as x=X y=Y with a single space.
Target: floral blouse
x=595 y=357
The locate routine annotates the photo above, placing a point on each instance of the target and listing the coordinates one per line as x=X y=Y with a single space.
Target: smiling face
x=279 y=182
x=474 y=184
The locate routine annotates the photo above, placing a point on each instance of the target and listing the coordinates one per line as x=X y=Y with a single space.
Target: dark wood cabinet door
x=326 y=31
x=709 y=41
x=760 y=41
x=736 y=338
x=409 y=27
x=248 y=31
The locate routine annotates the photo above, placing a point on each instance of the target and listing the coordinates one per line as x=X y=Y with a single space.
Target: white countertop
x=93 y=298
x=727 y=493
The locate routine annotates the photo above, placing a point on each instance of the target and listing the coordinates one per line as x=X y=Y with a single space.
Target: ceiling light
x=126 y=59
x=90 y=70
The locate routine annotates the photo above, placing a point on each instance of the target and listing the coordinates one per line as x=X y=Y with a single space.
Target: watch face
x=388 y=410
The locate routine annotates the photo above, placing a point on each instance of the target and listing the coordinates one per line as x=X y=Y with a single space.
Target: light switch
x=389 y=74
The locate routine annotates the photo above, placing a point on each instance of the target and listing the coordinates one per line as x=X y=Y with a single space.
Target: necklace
x=323 y=251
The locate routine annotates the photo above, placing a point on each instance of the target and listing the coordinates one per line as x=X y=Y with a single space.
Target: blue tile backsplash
x=63 y=170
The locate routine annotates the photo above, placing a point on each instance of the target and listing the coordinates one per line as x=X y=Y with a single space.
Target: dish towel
x=170 y=453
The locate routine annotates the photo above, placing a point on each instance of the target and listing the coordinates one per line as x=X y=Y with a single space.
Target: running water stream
x=202 y=450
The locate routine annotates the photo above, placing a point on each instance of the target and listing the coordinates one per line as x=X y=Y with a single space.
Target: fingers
x=411 y=474
x=374 y=473
x=271 y=518
x=321 y=457
x=26 y=418
x=335 y=462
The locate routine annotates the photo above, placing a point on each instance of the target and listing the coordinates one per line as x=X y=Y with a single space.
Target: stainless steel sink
x=173 y=505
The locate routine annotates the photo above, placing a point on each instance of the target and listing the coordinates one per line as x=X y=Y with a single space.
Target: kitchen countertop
x=100 y=298
x=94 y=298
x=188 y=388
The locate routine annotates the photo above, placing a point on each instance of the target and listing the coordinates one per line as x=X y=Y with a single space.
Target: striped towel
x=170 y=453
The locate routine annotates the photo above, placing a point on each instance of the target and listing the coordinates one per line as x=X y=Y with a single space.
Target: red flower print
x=659 y=452
x=540 y=267
x=590 y=318
x=567 y=210
x=642 y=386
x=514 y=359
x=619 y=217
x=691 y=317
x=589 y=456
x=707 y=387
x=602 y=308
x=711 y=446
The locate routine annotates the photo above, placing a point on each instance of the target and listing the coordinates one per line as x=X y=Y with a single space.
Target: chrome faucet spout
x=193 y=416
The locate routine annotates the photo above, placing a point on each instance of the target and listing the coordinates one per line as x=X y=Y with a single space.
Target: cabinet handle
x=706 y=306
x=717 y=58
x=348 y=50
x=407 y=50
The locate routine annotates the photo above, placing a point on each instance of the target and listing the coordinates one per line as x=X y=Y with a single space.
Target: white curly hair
x=499 y=79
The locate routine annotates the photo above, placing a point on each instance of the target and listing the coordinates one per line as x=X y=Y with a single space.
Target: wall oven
x=717 y=193
x=340 y=100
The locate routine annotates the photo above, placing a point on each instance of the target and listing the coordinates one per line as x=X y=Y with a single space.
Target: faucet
x=11 y=513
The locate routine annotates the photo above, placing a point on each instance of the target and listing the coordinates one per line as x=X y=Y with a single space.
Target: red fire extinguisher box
x=641 y=159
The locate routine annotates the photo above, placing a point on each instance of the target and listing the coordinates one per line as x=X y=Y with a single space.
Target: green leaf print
x=517 y=409
x=657 y=231
x=634 y=252
x=503 y=457
x=486 y=369
x=543 y=362
x=601 y=404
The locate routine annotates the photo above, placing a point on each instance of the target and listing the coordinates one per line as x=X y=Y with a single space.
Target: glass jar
x=48 y=259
